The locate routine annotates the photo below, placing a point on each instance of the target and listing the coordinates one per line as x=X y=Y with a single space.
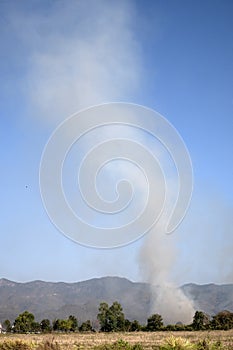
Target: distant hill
x=81 y=299
x=210 y=298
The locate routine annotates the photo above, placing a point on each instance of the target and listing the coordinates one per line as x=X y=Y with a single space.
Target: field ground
x=147 y=339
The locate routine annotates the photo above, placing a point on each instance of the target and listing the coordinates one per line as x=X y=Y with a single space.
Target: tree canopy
x=112 y=319
x=154 y=323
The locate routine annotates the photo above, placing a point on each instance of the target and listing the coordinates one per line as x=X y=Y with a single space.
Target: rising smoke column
x=157 y=257
x=95 y=58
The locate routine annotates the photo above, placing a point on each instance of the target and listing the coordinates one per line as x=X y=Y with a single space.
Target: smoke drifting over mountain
x=188 y=255
x=157 y=257
x=86 y=53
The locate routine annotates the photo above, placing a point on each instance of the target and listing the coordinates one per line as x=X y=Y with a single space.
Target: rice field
x=147 y=340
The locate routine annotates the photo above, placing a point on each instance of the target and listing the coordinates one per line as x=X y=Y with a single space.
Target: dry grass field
x=82 y=341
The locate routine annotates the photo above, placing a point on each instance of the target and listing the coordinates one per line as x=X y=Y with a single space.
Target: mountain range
x=81 y=299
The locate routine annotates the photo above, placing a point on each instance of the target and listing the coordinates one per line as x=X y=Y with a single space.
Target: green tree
x=35 y=327
x=45 y=326
x=127 y=325
x=57 y=325
x=200 y=321
x=223 y=320
x=73 y=323
x=7 y=325
x=103 y=317
x=111 y=318
x=154 y=323
x=66 y=325
x=135 y=326
x=24 y=323
x=86 y=326
x=116 y=317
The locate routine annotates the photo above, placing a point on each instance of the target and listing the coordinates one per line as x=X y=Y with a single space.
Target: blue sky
x=175 y=57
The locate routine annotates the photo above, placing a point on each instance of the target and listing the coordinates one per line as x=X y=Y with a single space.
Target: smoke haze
x=203 y=240
x=84 y=53
x=157 y=259
x=80 y=53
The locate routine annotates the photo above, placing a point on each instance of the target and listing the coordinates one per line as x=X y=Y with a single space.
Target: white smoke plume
x=79 y=53
x=157 y=258
x=165 y=261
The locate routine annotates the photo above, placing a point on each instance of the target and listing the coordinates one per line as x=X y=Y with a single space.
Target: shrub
x=119 y=345
x=205 y=344
x=177 y=343
x=15 y=345
x=49 y=345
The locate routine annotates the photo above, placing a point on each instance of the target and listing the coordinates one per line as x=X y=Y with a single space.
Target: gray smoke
x=157 y=257
x=204 y=240
x=92 y=58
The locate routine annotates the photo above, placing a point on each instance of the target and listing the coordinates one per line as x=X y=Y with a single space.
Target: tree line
x=112 y=319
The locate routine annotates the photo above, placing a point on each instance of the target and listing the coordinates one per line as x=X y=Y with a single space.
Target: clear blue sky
x=57 y=57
